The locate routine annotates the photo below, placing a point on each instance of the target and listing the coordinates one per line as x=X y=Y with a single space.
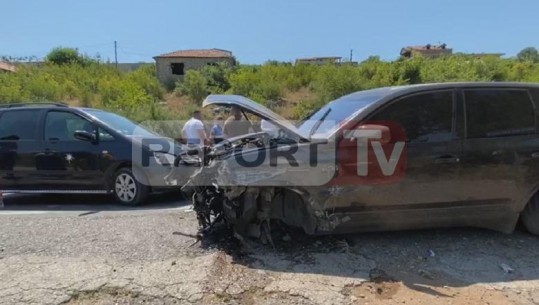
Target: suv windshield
x=328 y=118
x=121 y=124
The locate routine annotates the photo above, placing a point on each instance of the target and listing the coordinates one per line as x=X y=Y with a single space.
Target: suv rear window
x=498 y=113
x=18 y=125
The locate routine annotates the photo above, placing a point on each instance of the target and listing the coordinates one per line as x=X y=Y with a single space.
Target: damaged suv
x=418 y=156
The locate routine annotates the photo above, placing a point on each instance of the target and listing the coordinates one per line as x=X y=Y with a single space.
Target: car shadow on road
x=87 y=204
x=425 y=261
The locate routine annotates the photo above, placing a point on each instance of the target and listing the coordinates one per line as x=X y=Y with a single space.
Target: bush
x=62 y=56
x=217 y=77
x=194 y=85
x=92 y=85
x=138 y=94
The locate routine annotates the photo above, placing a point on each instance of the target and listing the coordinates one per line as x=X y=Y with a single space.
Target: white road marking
x=19 y=207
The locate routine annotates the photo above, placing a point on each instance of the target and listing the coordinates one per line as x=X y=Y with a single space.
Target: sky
x=260 y=30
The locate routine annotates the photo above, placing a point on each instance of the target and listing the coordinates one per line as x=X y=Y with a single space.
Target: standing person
x=216 y=132
x=193 y=131
x=235 y=125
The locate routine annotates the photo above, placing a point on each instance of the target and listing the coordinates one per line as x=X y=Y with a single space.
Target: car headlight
x=163 y=158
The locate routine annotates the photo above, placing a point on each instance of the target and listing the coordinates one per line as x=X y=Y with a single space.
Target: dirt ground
x=108 y=256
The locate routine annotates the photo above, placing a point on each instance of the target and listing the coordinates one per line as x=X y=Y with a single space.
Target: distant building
x=319 y=60
x=426 y=50
x=7 y=67
x=172 y=66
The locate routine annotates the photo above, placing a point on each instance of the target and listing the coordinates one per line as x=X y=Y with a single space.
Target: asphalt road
x=89 y=250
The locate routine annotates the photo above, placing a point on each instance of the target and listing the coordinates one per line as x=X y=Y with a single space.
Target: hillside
x=292 y=90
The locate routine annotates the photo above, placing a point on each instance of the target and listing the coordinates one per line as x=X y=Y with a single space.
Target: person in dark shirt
x=216 y=132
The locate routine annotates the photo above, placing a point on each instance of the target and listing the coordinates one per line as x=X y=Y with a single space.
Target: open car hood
x=255 y=108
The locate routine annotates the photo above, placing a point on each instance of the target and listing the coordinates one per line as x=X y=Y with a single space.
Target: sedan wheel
x=127 y=189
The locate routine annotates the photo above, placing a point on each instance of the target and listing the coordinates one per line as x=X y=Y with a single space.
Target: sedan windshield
x=121 y=124
x=328 y=118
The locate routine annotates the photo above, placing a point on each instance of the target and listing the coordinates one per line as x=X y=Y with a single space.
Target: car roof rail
x=33 y=103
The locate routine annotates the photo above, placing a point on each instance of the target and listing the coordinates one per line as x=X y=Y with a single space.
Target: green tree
x=61 y=56
x=529 y=54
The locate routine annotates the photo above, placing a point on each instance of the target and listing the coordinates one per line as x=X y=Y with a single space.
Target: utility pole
x=351 y=54
x=116 y=54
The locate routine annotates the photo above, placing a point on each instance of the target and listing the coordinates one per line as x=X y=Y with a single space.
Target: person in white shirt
x=193 y=131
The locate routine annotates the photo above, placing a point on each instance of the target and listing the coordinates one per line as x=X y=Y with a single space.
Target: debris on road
x=425 y=274
x=431 y=253
x=506 y=268
x=342 y=246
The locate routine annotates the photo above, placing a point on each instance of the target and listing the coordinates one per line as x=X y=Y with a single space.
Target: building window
x=177 y=68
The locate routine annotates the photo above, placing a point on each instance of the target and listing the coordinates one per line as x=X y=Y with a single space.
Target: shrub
x=194 y=85
x=62 y=56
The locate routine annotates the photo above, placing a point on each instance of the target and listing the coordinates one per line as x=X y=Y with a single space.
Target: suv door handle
x=446 y=160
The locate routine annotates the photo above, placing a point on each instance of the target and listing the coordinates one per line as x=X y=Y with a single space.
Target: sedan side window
x=426 y=117
x=19 y=125
x=498 y=112
x=61 y=126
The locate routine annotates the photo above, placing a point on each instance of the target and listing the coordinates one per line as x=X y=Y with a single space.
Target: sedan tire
x=127 y=189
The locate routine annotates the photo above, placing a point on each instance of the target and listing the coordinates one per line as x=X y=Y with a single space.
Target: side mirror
x=84 y=136
x=379 y=133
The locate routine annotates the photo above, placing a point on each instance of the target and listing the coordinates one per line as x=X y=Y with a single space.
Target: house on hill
x=426 y=51
x=7 y=67
x=172 y=66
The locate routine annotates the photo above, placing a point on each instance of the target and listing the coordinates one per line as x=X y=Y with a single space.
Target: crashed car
x=395 y=158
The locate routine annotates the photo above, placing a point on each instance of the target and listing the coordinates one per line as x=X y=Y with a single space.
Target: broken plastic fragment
x=506 y=268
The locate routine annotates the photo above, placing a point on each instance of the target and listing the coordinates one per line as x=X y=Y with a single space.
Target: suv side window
x=425 y=117
x=19 y=124
x=498 y=113
x=61 y=126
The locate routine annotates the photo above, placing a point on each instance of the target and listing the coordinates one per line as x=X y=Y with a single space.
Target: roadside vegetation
x=292 y=90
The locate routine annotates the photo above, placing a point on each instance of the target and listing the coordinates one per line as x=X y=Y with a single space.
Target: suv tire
x=530 y=215
x=127 y=189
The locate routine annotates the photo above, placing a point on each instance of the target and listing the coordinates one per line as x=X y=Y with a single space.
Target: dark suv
x=407 y=157
x=54 y=148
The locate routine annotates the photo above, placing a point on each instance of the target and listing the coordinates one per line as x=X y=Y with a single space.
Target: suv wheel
x=127 y=189
x=530 y=215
